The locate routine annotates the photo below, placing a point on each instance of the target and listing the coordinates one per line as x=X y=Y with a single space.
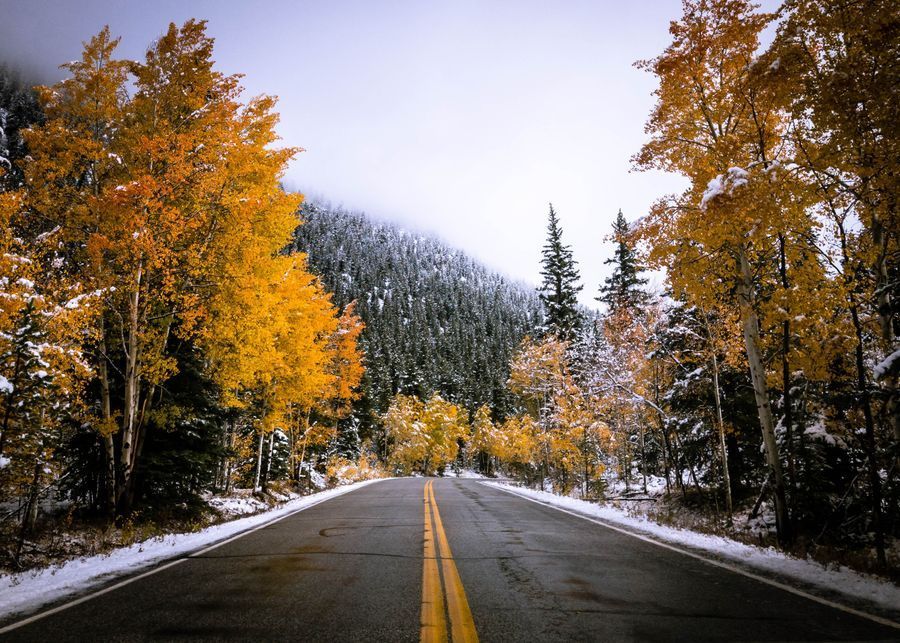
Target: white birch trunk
x=132 y=392
x=750 y=323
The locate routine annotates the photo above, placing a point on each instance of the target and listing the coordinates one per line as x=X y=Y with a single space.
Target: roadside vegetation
x=180 y=336
x=157 y=342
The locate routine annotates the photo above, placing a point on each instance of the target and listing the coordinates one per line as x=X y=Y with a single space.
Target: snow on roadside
x=243 y=502
x=843 y=580
x=237 y=505
x=27 y=591
x=469 y=474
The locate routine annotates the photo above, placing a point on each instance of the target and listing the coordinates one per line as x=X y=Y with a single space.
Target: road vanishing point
x=444 y=559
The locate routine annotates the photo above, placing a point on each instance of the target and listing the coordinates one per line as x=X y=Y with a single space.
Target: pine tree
x=560 y=288
x=622 y=290
x=19 y=109
x=435 y=320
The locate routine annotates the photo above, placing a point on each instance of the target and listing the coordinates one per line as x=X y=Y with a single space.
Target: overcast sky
x=463 y=119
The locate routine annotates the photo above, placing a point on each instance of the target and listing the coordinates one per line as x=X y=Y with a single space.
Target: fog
x=463 y=119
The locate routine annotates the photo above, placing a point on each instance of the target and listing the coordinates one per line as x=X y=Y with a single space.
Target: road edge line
x=87 y=597
x=716 y=563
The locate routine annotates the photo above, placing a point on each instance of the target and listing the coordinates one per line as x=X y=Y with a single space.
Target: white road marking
x=737 y=570
x=156 y=570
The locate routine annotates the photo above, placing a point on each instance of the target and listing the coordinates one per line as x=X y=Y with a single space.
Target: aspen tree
x=718 y=235
x=151 y=197
x=425 y=435
x=72 y=173
x=484 y=437
x=838 y=63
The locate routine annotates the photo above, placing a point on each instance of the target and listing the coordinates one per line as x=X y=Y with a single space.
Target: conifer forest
x=178 y=326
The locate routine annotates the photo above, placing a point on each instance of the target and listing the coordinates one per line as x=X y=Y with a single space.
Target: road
x=417 y=560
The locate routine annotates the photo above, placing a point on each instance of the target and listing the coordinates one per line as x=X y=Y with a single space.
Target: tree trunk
x=292 y=460
x=723 y=450
x=303 y=453
x=786 y=381
x=862 y=385
x=750 y=324
x=643 y=455
x=268 y=469
x=29 y=517
x=132 y=395
x=109 y=497
x=673 y=447
x=584 y=459
x=662 y=425
x=229 y=467
x=259 y=453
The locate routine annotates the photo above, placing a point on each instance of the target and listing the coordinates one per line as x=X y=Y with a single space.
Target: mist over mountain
x=436 y=320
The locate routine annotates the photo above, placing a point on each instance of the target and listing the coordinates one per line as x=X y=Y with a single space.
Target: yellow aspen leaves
x=425 y=435
x=153 y=212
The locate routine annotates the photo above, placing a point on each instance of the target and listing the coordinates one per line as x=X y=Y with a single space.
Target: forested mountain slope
x=436 y=320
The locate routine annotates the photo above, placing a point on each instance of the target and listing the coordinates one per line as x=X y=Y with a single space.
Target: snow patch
x=888 y=365
x=818 y=431
x=735 y=177
x=739 y=177
x=469 y=474
x=714 y=188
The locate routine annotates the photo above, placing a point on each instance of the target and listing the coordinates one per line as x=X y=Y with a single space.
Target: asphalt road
x=351 y=569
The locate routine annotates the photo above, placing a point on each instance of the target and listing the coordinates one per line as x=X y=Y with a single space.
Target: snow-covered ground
x=29 y=590
x=462 y=473
x=840 y=580
x=470 y=474
x=240 y=503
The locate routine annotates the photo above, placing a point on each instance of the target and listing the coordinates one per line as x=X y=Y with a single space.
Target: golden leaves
x=425 y=435
x=166 y=199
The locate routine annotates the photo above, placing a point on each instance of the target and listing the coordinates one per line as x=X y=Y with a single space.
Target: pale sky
x=462 y=119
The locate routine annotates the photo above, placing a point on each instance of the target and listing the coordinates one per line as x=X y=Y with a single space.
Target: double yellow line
x=434 y=618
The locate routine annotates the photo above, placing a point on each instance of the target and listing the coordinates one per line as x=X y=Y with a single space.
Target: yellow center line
x=434 y=623
x=462 y=627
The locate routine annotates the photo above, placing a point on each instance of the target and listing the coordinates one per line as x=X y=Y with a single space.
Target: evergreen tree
x=19 y=109
x=622 y=290
x=435 y=320
x=560 y=288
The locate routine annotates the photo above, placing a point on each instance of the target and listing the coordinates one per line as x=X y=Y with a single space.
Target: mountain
x=436 y=320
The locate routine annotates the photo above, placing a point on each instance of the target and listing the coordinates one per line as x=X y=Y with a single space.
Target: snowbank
x=469 y=474
x=841 y=580
x=240 y=503
x=29 y=590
